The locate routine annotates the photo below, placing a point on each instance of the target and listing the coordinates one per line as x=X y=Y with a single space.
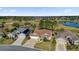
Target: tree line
x=39 y=17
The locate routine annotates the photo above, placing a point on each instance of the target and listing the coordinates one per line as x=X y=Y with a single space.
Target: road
x=60 y=44
x=16 y=48
x=18 y=42
x=30 y=43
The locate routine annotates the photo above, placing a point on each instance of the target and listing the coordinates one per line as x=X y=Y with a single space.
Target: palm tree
x=15 y=25
x=55 y=24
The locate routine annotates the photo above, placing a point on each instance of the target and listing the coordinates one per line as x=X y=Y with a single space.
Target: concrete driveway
x=20 y=39
x=30 y=43
x=60 y=44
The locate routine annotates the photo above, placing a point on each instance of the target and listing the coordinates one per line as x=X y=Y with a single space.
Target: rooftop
x=42 y=32
x=19 y=30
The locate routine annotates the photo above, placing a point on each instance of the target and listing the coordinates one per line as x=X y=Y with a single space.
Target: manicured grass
x=46 y=46
x=73 y=48
x=67 y=27
x=6 y=41
x=25 y=40
x=68 y=21
x=74 y=30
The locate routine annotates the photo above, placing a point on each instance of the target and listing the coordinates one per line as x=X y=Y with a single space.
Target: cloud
x=68 y=10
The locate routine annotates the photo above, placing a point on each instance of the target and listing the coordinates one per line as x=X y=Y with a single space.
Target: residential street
x=18 y=42
x=60 y=44
x=30 y=43
x=16 y=48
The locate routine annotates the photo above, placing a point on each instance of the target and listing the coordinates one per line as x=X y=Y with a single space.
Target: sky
x=39 y=11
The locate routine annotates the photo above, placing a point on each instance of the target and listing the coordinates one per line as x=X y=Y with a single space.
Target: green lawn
x=25 y=40
x=6 y=41
x=73 y=48
x=46 y=46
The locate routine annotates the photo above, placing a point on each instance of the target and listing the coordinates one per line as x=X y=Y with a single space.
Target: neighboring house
x=1 y=26
x=76 y=42
x=69 y=37
x=15 y=33
x=41 y=33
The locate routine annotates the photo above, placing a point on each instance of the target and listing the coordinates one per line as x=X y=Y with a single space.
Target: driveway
x=30 y=43
x=20 y=39
x=60 y=44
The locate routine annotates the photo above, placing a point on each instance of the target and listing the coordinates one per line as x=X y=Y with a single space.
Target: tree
x=7 y=30
x=54 y=41
x=27 y=24
x=15 y=25
x=5 y=35
x=45 y=39
x=55 y=24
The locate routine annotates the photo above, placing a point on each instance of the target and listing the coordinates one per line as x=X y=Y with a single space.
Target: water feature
x=71 y=24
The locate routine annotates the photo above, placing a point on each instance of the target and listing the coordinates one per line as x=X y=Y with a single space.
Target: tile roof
x=42 y=32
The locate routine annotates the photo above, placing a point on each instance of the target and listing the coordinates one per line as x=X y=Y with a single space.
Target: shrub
x=45 y=39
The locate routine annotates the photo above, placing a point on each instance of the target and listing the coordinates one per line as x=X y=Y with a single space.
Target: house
x=69 y=37
x=41 y=33
x=15 y=33
x=1 y=26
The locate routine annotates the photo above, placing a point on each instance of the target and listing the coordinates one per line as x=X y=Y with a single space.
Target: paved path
x=30 y=43
x=60 y=44
x=18 y=42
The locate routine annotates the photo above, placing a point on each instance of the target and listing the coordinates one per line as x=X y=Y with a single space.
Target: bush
x=54 y=41
x=45 y=39
x=13 y=29
x=15 y=24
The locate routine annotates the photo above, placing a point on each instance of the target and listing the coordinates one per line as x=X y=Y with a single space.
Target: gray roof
x=64 y=34
x=19 y=30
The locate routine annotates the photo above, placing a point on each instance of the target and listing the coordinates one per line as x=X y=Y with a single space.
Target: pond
x=71 y=24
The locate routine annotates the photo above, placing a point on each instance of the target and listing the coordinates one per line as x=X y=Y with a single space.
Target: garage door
x=34 y=37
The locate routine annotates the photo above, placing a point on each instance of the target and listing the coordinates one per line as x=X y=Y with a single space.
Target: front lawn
x=46 y=45
x=73 y=48
x=6 y=41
